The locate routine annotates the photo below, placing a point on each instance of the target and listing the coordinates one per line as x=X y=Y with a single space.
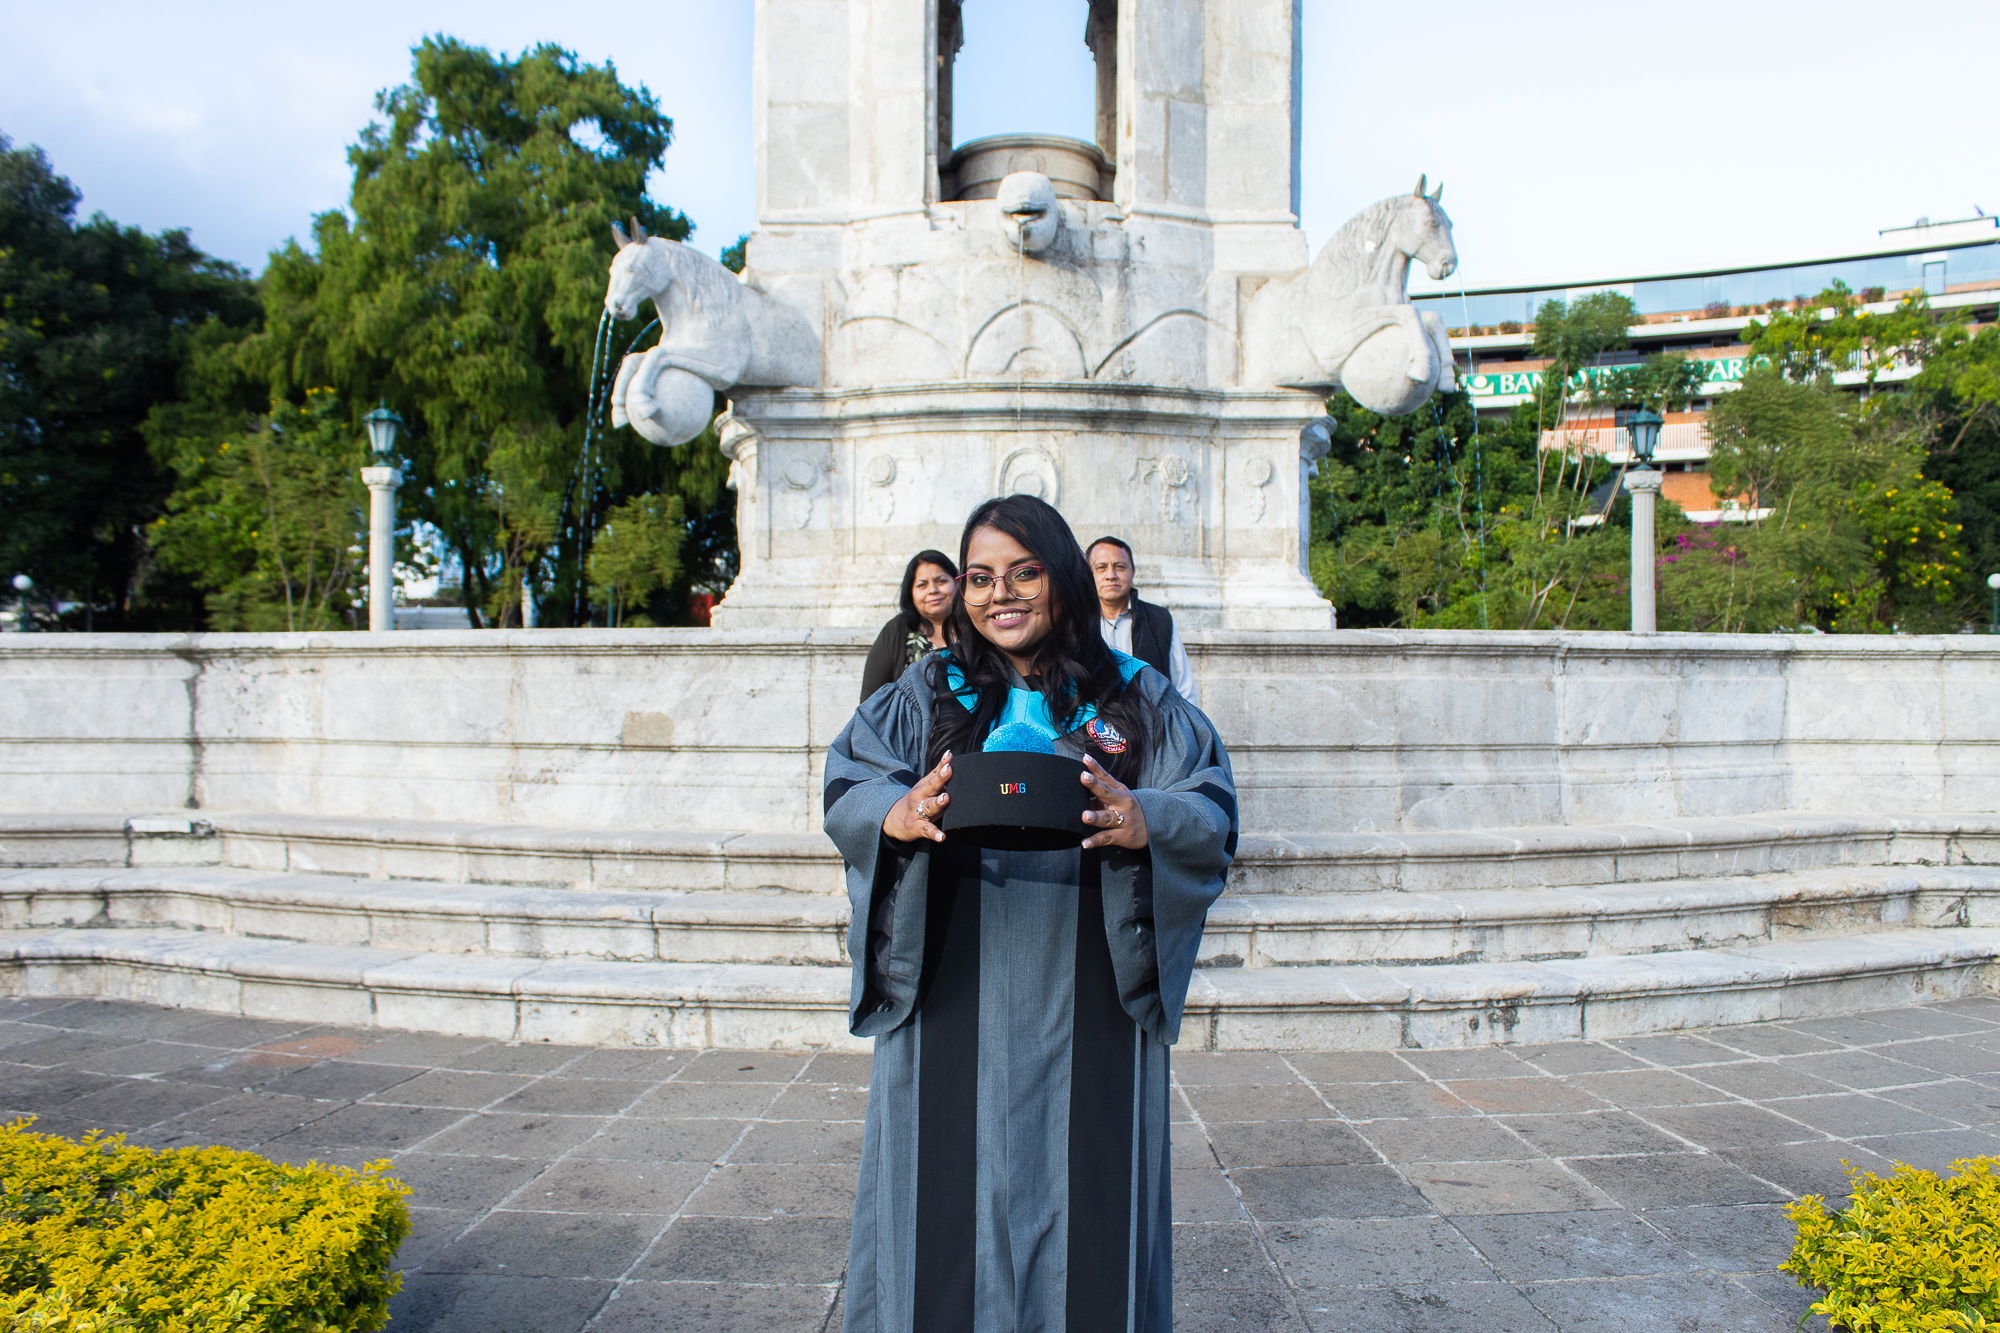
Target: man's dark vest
x=1152 y=635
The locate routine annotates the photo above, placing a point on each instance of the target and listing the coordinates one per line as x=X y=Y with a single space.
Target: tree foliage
x=97 y=324
x=272 y=522
x=463 y=286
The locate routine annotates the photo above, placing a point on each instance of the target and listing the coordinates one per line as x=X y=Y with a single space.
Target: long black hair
x=913 y=619
x=1072 y=665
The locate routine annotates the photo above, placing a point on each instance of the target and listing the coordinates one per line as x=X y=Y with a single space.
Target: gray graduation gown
x=1014 y=1164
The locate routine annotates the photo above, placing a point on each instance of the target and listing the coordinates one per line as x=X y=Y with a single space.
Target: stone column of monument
x=1126 y=328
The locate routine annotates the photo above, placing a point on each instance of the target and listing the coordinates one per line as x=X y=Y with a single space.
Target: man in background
x=1132 y=625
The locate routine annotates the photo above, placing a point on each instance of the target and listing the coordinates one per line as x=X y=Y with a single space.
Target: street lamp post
x=23 y=585
x=1643 y=482
x=382 y=479
x=1993 y=603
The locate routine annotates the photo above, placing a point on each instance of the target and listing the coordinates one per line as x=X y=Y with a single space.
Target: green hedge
x=1913 y=1253
x=99 y=1237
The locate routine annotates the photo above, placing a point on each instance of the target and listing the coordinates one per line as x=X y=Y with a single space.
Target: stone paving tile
x=743 y=1067
x=450 y=1088
x=1591 y=1134
x=1243 y=1101
x=632 y=1140
x=1203 y=1194
x=522 y=1243
x=439 y=1303
x=1450 y=1139
x=801 y=1141
x=1296 y=1193
x=1434 y=1307
x=1666 y=1304
x=141 y=1102
x=728 y=1100
x=1680 y=1049
x=1347 y=1066
x=568 y=1096
x=1289 y=1143
x=1768 y=1039
x=719 y=1307
x=1673 y=1180
x=1579 y=1057
x=1457 y=1189
x=1947 y=1056
x=1631 y=1184
x=1336 y=1253
x=1372 y=1101
x=1229 y=1256
x=1633 y=1088
x=1735 y=1239
x=490 y=1133
x=1543 y=1247
x=341 y=1080
x=598 y=1186
x=752 y=1190
x=790 y=1250
x=1730 y=1125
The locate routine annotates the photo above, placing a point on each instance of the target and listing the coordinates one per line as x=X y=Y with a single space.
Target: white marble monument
x=1128 y=329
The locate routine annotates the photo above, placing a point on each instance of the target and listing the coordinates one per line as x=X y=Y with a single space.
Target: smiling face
x=931 y=590
x=1013 y=626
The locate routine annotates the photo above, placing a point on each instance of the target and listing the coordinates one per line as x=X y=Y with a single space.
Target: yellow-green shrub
x=1915 y=1253
x=99 y=1237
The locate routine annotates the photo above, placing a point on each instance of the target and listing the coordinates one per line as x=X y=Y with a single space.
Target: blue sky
x=1575 y=140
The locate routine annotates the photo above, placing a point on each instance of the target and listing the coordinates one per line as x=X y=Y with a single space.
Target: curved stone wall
x=1331 y=732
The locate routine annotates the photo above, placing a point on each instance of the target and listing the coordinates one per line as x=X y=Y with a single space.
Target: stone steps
x=1328 y=1007
x=715 y=860
x=1340 y=940
x=783 y=928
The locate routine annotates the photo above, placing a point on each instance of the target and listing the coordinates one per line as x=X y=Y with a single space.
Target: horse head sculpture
x=1360 y=329
x=716 y=332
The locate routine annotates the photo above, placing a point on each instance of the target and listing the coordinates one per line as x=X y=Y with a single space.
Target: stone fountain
x=1127 y=328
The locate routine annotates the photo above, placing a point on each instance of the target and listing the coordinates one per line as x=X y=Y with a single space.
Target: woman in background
x=1014 y=1165
x=930 y=585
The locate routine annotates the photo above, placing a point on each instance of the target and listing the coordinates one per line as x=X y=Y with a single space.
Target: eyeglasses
x=1023 y=581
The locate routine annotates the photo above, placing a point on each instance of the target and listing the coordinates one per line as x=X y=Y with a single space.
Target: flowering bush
x=1915 y=1253
x=98 y=1237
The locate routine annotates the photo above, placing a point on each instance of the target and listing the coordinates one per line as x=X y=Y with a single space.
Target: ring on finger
x=924 y=808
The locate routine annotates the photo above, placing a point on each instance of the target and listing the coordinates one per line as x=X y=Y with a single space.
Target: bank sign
x=1722 y=373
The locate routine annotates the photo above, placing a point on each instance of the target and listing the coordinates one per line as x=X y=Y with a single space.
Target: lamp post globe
x=22 y=583
x=1644 y=426
x=383 y=426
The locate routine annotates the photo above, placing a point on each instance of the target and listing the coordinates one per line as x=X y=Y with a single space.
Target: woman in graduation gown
x=1014 y=1165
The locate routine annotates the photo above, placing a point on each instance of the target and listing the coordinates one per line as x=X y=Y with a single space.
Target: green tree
x=638 y=555
x=97 y=324
x=1856 y=538
x=271 y=522
x=464 y=286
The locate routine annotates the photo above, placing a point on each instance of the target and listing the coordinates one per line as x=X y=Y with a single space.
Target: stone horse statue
x=1354 y=307
x=716 y=332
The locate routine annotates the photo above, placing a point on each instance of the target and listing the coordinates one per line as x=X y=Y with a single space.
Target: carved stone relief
x=1031 y=471
x=1175 y=480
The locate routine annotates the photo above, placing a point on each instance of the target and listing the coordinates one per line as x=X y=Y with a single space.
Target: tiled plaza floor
x=1631 y=1185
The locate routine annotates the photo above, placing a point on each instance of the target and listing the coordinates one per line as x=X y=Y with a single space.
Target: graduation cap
x=1017 y=794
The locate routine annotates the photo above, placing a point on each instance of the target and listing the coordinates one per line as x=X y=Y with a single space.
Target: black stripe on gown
x=1101 y=1110
x=947 y=1245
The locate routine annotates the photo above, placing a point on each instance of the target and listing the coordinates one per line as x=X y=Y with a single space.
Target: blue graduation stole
x=1028 y=707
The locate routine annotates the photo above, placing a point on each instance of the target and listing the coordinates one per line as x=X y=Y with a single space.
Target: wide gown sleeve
x=1156 y=900
x=875 y=760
